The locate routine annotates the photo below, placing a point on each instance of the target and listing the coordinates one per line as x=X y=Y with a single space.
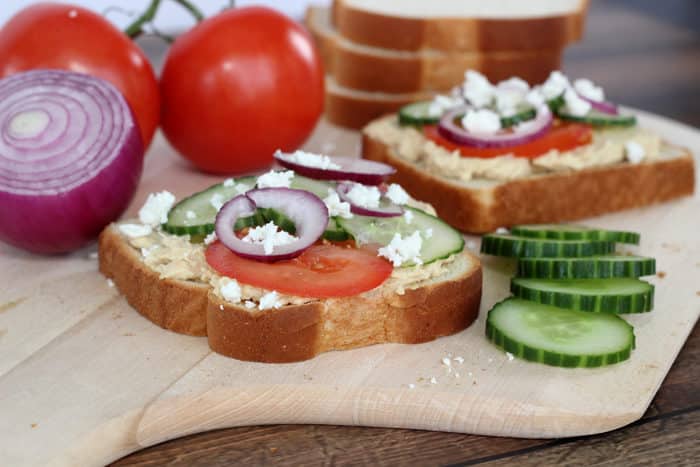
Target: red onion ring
x=70 y=159
x=306 y=210
x=523 y=133
x=358 y=170
x=602 y=106
x=388 y=210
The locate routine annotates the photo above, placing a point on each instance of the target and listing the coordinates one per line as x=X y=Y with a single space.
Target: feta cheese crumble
x=634 y=152
x=217 y=201
x=433 y=380
x=501 y=230
x=249 y=304
x=402 y=250
x=556 y=84
x=309 y=159
x=459 y=360
x=190 y=215
x=397 y=194
x=269 y=236
x=441 y=104
x=269 y=300
x=273 y=179
x=229 y=182
x=231 y=291
x=589 y=90
x=242 y=188
x=482 y=121
x=364 y=196
x=335 y=206
x=477 y=89
x=510 y=356
x=155 y=210
x=135 y=230
x=209 y=239
x=574 y=104
x=408 y=216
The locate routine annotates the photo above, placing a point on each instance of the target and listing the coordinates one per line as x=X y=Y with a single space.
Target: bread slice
x=481 y=206
x=433 y=308
x=466 y=25
x=392 y=71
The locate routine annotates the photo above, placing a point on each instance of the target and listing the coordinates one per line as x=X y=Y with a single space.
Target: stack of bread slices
x=383 y=54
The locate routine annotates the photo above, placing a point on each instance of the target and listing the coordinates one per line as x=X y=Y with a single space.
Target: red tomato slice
x=562 y=136
x=319 y=272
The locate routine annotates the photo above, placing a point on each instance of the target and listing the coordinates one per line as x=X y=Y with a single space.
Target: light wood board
x=84 y=379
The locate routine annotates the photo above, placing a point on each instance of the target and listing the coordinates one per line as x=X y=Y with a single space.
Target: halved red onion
x=347 y=168
x=387 y=209
x=306 y=210
x=602 y=106
x=516 y=135
x=70 y=159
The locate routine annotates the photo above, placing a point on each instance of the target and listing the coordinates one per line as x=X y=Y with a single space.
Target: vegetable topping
x=335 y=168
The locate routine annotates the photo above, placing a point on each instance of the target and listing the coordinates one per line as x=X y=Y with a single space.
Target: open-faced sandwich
x=491 y=155
x=284 y=266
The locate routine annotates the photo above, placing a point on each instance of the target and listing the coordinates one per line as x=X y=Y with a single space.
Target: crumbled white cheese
x=411 y=386
x=309 y=159
x=408 y=216
x=456 y=375
x=441 y=104
x=447 y=362
x=535 y=98
x=397 y=194
x=502 y=230
x=221 y=307
x=335 y=206
x=459 y=360
x=477 y=89
x=155 y=210
x=229 y=182
x=589 y=90
x=634 y=152
x=555 y=85
x=217 y=200
x=510 y=356
x=428 y=233
x=269 y=236
x=209 y=239
x=273 y=179
x=269 y=300
x=135 y=230
x=482 y=121
x=433 y=380
x=242 y=188
x=574 y=105
x=364 y=196
x=190 y=214
x=110 y=283
x=230 y=290
x=510 y=94
x=249 y=304
x=514 y=83
x=402 y=250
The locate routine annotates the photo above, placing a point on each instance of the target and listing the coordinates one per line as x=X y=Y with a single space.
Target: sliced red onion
x=341 y=168
x=601 y=106
x=70 y=159
x=385 y=209
x=520 y=134
x=306 y=210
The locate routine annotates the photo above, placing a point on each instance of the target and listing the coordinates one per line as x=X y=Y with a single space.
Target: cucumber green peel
x=515 y=246
x=574 y=232
x=594 y=267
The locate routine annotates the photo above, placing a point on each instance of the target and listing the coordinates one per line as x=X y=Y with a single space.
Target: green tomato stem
x=135 y=29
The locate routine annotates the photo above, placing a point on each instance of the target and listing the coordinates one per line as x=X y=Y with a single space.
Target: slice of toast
x=392 y=71
x=451 y=25
x=432 y=308
x=481 y=205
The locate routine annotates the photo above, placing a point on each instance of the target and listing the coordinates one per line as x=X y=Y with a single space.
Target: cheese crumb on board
x=433 y=380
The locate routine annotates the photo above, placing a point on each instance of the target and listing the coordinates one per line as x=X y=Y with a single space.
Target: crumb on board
x=110 y=283
x=34 y=425
x=661 y=274
x=433 y=380
x=273 y=450
x=697 y=293
x=510 y=356
x=411 y=386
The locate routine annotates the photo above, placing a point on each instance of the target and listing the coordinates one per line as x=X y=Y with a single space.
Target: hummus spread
x=607 y=147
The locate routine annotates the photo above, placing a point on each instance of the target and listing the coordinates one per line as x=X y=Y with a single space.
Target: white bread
x=474 y=25
x=375 y=69
x=437 y=307
x=481 y=205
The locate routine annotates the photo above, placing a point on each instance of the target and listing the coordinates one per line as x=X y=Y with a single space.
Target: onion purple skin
x=602 y=106
x=380 y=171
x=392 y=210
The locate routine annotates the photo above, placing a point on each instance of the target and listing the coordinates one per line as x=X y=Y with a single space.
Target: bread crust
x=453 y=34
x=547 y=198
x=293 y=332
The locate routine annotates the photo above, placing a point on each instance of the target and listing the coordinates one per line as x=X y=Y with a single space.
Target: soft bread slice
x=481 y=206
x=437 y=307
x=376 y=69
x=474 y=25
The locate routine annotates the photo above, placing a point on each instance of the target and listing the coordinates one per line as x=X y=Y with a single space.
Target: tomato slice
x=321 y=271
x=562 y=136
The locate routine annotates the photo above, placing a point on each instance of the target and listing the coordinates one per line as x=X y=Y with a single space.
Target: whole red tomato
x=73 y=38
x=237 y=87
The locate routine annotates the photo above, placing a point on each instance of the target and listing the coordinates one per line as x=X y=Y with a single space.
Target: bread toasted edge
x=453 y=34
x=555 y=197
x=293 y=332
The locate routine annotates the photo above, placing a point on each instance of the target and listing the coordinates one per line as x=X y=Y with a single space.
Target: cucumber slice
x=595 y=267
x=514 y=246
x=595 y=118
x=618 y=295
x=417 y=113
x=574 y=232
x=566 y=338
x=443 y=242
x=524 y=114
x=334 y=232
x=205 y=214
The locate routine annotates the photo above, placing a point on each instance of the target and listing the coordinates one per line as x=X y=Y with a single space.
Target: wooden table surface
x=646 y=54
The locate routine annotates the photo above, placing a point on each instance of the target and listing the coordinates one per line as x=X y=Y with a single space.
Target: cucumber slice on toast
x=574 y=232
x=600 y=119
x=417 y=113
x=514 y=246
x=566 y=338
x=618 y=295
x=594 y=267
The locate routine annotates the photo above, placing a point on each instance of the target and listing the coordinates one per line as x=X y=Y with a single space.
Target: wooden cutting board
x=85 y=380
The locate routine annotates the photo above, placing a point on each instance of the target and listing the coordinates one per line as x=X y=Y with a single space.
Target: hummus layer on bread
x=607 y=148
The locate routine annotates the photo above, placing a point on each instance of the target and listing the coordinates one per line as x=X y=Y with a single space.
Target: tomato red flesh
x=321 y=271
x=562 y=137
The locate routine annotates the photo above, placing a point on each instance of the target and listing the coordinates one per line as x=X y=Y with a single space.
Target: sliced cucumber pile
x=599 y=119
x=443 y=239
x=567 y=295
